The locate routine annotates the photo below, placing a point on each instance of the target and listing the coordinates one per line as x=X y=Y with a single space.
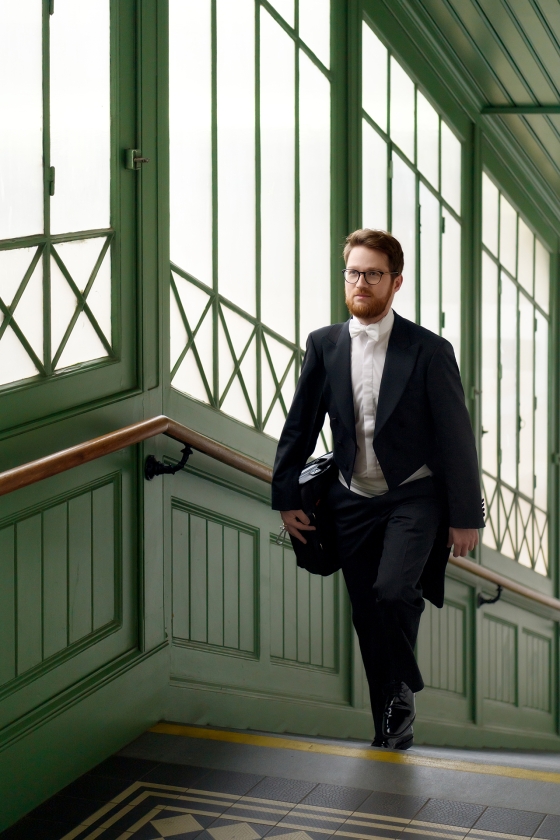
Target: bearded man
x=408 y=484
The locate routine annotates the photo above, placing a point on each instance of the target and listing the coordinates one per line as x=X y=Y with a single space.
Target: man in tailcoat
x=407 y=486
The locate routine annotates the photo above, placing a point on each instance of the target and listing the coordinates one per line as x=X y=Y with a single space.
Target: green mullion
x=191 y=334
x=48 y=10
x=278 y=384
x=440 y=269
x=22 y=242
x=297 y=242
x=316 y=61
x=499 y=389
x=258 y=241
x=434 y=190
x=13 y=324
x=215 y=317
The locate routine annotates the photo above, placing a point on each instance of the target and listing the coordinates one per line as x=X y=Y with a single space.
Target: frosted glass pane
x=429 y=260
x=428 y=140
x=526 y=336
x=402 y=109
x=508 y=235
x=190 y=136
x=315 y=198
x=542 y=275
x=490 y=197
x=21 y=108
x=80 y=258
x=277 y=105
x=236 y=151
x=240 y=332
x=450 y=167
x=285 y=8
x=489 y=365
x=374 y=179
x=193 y=299
x=29 y=311
x=404 y=229
x=83 y=345
x=451 y=282
x=15 y=363
x=508 y=396
x=541 y=413
x=525 y=256
x=80 y=115
x=234 y=401
x=178 y=336
x=13 y=266
x=315 y=27
x=188 y=379
x=374 y=77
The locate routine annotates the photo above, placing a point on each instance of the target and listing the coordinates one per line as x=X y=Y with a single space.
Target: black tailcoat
x=421 y=419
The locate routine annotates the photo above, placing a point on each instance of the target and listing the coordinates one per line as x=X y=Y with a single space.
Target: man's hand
x=296 y=521
x=463 y=540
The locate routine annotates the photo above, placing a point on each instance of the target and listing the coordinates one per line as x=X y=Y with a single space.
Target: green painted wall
x=124 y=602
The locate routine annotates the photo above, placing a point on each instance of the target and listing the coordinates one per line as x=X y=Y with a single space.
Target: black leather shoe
x=399 y=715
x=378 y=741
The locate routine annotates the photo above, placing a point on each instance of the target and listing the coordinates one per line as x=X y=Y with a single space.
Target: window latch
x=133 y=159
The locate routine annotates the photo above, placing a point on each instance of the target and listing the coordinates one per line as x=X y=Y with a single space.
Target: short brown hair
x=381 y=241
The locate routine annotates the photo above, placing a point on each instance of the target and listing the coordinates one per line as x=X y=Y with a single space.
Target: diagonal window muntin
x=61 y=184
x=274 y=28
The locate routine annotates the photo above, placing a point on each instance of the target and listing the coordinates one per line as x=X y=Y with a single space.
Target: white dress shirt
x=369 y=349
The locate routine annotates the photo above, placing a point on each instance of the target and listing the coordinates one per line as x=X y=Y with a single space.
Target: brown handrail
x=67 y=459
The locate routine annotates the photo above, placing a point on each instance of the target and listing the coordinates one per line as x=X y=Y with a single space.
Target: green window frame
x=76 y=272
x=515 y=381
x=239 y=358
x=412 y=185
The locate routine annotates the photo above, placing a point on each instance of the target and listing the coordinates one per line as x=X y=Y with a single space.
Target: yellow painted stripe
x=389 y=757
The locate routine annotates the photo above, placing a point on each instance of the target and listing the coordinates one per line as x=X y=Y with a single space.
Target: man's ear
x=398 y=282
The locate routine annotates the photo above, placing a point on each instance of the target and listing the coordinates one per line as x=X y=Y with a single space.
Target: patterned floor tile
x=450 y=813
x=333 y=796
x=549 y=828
x=120 y=767
x=226 y=781
x=286 y=790
x=280 y=833
x=375 y=826
x=508 y=821
x=392 y=804
x=181 y=775
x=66 y=809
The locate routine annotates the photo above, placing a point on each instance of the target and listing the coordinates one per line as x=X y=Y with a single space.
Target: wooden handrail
x=67 y=459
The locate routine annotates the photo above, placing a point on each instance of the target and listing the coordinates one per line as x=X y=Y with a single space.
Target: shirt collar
x=384 y=326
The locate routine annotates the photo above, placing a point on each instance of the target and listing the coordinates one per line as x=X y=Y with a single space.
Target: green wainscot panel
x=517 y=668
x=445 y=656
x=244 y=620
x=68 y=602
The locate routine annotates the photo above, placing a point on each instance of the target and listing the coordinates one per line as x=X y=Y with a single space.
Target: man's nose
x=362 y=282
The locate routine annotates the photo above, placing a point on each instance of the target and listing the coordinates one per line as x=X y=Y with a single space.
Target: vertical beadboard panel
x=303 y=627
x=29 y=593
x=80 y=613
x=538 y=662
x=55 y=579
x=7 y=605
x=59 y=579
x=500 y=671
x=103 y=555
x=214 y=580
x=441 y=647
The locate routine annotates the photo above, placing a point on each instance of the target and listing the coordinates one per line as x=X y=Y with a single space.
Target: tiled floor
x=147 y=798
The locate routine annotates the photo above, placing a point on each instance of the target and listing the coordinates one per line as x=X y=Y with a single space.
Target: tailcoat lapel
x=399 y=364
x=336 y=355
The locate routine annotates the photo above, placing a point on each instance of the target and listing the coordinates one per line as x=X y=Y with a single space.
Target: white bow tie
x=371 y=330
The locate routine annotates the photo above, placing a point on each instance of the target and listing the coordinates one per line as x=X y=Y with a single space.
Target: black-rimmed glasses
x=372 y=278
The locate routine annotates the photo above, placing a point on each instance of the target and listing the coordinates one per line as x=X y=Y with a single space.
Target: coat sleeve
x=456 y=443
x=301 y=430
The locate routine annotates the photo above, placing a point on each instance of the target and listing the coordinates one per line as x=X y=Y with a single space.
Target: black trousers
x=383 y=545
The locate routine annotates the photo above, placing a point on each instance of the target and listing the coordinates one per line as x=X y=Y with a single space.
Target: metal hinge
x=443 y=320
x=443 y=224
x=133 y=159
x=390 y=168
x=52 y=176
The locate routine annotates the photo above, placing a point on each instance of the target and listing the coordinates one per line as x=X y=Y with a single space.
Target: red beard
x=370 y=308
